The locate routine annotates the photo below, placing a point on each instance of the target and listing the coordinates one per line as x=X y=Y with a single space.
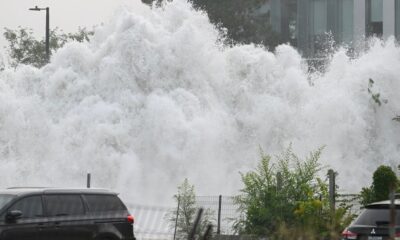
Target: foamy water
x=156 y=97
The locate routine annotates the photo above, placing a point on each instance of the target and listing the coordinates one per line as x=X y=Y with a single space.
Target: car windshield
x=4 y=199
x=371 y=216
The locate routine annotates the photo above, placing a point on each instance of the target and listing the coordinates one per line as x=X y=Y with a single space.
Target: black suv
x=63 y=214
x=373 y=223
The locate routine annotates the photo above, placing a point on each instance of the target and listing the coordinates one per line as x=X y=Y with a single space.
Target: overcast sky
x=68 y=15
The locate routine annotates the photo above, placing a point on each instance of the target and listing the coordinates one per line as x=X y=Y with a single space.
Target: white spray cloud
x=155 y=97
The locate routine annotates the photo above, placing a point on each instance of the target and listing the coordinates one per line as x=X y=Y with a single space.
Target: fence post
x=392 y=227
x=88 y=180
x=196 y=224
x=208 y=233
x=219 y=214
x=177 y=215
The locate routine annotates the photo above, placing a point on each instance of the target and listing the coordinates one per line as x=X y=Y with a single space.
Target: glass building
x=311 y=24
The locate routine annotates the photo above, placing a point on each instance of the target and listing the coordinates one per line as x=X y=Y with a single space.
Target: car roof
x=19 y=191
x=383 y=204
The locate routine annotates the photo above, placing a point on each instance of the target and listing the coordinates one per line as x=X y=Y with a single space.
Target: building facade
x=309 y=24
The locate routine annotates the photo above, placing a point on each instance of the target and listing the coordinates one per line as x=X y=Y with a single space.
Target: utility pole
x=36 y=8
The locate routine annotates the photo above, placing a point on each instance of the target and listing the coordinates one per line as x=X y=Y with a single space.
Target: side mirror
x=13 y=215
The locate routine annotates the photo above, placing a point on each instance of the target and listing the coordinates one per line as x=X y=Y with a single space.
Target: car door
x=66 y=217
x=31 y=225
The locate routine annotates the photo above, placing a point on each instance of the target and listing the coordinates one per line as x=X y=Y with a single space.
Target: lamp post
x=36 y=8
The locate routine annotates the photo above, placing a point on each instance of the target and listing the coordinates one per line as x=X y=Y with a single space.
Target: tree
x=384 y=180
x=186 y=199
x=285 y=196
x=24 y=48
x=244 y=21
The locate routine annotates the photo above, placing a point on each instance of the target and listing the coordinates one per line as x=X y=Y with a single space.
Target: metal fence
x=151 y=222
x=224 y=212
x=157 y=222
x=351 y=200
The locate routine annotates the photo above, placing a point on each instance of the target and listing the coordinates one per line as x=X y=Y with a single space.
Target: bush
x=288 y=198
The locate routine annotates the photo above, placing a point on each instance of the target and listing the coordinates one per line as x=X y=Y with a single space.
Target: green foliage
x=23 y=48
x=244 y=21
x=186 y=199
x=384 y=179
x=376 y=97
x=286 y=197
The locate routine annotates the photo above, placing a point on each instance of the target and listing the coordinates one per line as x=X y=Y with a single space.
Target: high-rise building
x=309 y=24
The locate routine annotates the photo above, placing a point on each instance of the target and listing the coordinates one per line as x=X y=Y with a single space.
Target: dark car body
x=374 y=223
x=73 y=214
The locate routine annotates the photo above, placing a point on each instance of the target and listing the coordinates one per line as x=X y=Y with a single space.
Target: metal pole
x=278 y=181
x=177 y=215
x=332 y=189
x=392 y=227
x=278 y=191
x=219 y=215
x=48 y=34
x=88 y=179
x=196 y=224
x=208 y=233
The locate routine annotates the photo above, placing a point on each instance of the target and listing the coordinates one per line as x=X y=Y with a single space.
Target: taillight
x=130 y=219
x=346 y=234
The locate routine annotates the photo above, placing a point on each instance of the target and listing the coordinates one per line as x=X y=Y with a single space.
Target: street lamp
x=36 y=8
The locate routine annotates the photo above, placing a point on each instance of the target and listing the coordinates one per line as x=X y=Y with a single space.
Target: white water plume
x=156 y=97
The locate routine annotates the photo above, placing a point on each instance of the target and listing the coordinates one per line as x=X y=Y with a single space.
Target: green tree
x=186 y=199
x=384 y=180
x=286 y=196
x=24 y=48
x=245 y=21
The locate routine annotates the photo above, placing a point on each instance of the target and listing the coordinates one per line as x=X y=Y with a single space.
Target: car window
x=103 y=203
x=64 y=205
x=376 y=217
x=4 y=199
x=30 y=207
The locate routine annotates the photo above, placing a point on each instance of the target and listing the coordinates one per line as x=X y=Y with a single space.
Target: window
x=4 y=199
x=376 y=217
x=347 y=21
x=64 y=205
x=374 y=14
x=397 y=19
x=320 y=8
x=103 y=203
x=30 y=207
